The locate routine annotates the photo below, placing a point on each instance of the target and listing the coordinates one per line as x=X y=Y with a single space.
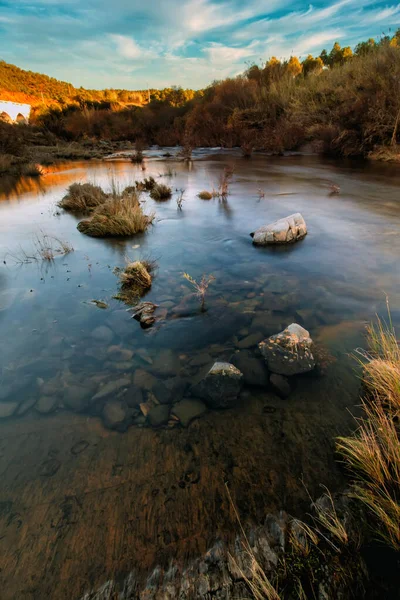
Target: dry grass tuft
x=204 y=195
x=160 y=192
x=119 y=216
x=135 y=279
x=83 y=198
x=372 y=453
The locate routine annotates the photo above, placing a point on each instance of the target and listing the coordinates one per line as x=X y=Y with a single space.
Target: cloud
x=128 y=48
x=190 y=42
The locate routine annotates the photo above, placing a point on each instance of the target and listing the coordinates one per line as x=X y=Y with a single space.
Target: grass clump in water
x=83 y=198
x=135 y=280
x=204 y=195
x=119 y=216
x=372 y=453
x=160 y=192
x=146 y=185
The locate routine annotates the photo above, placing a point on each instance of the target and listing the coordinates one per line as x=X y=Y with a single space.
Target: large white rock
x=284 y=231
x=289 y=352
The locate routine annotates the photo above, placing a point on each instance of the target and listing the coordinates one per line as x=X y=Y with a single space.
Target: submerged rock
x=112 y=386
x=115 y=415
x=102 y=334
x=254 y=370
x=46 y=404
x=7 y=409
x=158 y=415
x=280 y=385
x=284 y=231
x=188 y=409
x=144 y=313
x=289 y=352
x=221 y=386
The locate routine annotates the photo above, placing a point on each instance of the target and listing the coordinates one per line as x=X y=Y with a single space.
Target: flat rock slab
x=289 y=352
x=188 y=409
x=284 y=231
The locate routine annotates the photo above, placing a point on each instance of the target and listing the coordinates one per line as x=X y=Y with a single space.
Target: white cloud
x=128 y=48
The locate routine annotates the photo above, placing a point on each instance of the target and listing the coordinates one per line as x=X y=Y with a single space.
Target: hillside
x=33 y=88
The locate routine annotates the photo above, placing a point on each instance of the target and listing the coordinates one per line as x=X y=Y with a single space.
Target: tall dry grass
x=82 y=198
x=119 y=216
x=372 y=453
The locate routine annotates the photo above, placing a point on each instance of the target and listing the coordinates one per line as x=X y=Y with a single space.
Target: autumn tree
x=312 y=65
x=293 y=66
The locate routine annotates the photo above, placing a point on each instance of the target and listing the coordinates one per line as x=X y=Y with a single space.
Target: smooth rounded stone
x=280 y=385
x=255 y=372
x=111 y=387
x=102 y=334
x=26 y=405
x=284 y=231
x=118 y=354
x=115 y=414
x=118 y=321
x=16 y=386
x=266 y=322
x=178 y=385
x=188 y=409
x=166 y=362
x=250 y=340
x=76 y=397
x=134 y=396
x=289 y=352
x=99 y=353
x=46 y=404
x=158 y=415
x=163 y=394
x=144 y=380
x=221 y=385
x=7 y=409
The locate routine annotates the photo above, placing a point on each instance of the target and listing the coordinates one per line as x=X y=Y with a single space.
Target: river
x=79 y=503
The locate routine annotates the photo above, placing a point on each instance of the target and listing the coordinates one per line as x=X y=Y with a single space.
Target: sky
x=134 y=44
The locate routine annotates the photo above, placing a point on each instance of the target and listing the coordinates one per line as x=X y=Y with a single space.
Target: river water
x=79 y=503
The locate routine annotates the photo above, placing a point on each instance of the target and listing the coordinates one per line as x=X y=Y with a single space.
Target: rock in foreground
x=289 y=352
x=284 y=231
x=221 y=386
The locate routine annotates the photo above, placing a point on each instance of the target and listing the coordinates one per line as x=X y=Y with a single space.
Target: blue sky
x=135 y=43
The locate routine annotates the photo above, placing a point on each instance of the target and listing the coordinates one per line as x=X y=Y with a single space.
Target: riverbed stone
x=46 y=404
x=26 y=405
x=166 y=362
x=289 y=352
x=134 y=396
x=111 y=387
x=254 y=369
x=158 y=415
x=250 y=340
x=188 y=409
x=119 y=354
x=280 y=385
x=102 y=334
x=163 y=394
x=7 y=409
x=283 y=231
x=144 y=380
x=77 y=397
x=221 y=385
x=115 y=415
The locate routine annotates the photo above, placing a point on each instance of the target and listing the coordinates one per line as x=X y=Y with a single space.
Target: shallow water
x=79 y=503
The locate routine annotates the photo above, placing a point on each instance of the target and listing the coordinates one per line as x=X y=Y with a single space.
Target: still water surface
x=80 y=503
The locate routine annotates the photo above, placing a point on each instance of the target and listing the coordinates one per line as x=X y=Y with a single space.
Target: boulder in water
x=284 y=231
x=221 y=386
x=289 y=352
